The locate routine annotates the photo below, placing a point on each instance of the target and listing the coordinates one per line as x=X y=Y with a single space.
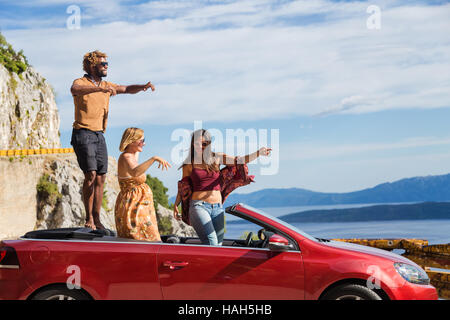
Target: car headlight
x=411 y=273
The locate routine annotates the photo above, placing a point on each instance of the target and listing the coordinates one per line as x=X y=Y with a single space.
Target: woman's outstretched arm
x=228 y=160
x=135 y=169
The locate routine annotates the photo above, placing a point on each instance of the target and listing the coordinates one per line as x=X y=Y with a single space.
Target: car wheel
x=351 y=292
x=60 y=293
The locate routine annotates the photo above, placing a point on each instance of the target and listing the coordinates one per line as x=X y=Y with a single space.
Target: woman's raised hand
x=264 y=151
x=163 y=164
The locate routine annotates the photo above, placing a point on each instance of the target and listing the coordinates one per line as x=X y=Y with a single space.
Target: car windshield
x=284 y=223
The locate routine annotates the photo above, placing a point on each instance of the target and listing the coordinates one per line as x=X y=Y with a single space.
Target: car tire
x=60 y=293
x=351 y=292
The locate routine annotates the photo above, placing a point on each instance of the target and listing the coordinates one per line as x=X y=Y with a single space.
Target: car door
x=221 y=272
x=114 y=269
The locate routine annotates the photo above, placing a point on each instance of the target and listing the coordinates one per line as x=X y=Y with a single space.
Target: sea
x=435 y=231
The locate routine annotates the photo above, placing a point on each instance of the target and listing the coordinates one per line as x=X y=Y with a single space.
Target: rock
x=179 y=228
x=22 y=209
x=69 y=210
x=28 y=113
x=18 y=196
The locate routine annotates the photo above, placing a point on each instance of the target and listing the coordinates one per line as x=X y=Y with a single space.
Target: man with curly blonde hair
x=91 y=98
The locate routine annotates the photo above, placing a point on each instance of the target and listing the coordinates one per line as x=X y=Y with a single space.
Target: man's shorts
x=90 y=148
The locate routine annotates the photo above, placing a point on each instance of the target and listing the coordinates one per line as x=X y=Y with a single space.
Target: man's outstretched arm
x=135 y=88
x=79 y=90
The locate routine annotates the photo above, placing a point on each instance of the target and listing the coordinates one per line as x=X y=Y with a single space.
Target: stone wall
x=22 y=210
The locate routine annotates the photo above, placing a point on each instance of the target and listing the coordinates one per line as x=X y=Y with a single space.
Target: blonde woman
x=134 y=211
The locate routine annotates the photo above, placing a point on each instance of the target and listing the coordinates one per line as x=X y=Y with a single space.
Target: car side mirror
x=279 y=243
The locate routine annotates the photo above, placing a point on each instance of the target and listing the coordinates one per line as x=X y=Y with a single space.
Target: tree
x=14 y=62
x=160 y=196
x=159 y=191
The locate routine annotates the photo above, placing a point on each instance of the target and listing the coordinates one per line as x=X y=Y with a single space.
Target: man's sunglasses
x=103 y=64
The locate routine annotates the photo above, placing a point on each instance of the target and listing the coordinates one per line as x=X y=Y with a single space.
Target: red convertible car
x=282 y=262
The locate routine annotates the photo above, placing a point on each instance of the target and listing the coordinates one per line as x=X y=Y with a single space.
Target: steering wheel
x=249 y=240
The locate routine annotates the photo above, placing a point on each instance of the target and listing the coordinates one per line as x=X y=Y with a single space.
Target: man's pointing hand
x=149 y=85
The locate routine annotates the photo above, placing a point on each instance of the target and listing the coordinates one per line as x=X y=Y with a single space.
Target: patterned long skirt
x=134 y=210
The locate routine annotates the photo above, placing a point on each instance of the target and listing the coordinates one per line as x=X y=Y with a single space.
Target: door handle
x=175 y=264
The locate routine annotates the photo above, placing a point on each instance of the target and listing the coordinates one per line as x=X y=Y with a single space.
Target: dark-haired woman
x=202 y=170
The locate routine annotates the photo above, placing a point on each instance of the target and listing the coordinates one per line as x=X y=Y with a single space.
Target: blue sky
x=354 y=107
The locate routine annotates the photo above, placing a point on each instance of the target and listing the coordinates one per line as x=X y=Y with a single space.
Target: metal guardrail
x=27 y=152
x=418 y=250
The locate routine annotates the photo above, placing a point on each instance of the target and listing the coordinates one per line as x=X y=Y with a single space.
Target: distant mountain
x=417 y=189
x=418 y=211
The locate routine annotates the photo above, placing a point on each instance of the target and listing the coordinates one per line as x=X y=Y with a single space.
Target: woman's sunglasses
x=204 y=143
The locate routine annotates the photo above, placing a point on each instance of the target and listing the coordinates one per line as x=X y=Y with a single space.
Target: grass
x=48 y=190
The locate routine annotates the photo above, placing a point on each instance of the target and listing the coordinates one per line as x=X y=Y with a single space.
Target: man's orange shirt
x=91 y=110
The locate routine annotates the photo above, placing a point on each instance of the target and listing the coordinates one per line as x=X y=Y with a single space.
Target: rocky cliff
x=28 y=113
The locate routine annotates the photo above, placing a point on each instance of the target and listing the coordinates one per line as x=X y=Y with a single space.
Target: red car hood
x=368 y=250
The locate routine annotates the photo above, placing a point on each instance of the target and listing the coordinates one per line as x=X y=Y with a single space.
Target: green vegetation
x=13 y=61
x=13 y=83
x=160 y=196
x=48 y=190
x=159 y=192
x=105 y=202
x=164 y=225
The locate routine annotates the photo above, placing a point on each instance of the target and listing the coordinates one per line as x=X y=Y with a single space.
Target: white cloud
x=349 y=103
x=308 y=151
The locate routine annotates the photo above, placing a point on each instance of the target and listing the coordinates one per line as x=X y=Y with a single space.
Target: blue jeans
x=208 y=220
